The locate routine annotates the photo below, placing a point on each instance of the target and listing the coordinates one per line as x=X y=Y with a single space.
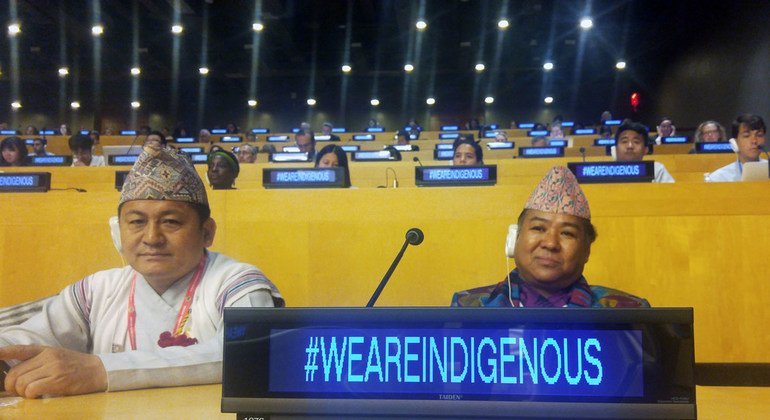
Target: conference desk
x=203 y=402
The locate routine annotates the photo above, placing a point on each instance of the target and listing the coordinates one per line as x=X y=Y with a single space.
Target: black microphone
x=128 y=152
x=762 y=148
x=583 y=153
x=414 y=236
x=416 y=159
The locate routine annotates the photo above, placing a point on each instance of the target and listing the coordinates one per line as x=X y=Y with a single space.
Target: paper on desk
x=8 y=401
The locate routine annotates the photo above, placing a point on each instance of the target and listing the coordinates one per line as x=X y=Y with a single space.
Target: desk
x=203 y=402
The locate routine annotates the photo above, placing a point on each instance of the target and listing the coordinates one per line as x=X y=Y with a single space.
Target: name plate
x=47 y=132
x=583 y=131
x=443 y=176
x=604 y=142
x=613 y=172
x=372 y=156
x=526 y=125
x=444 y=146
x=674 y=140
x=404 y=147
x=534 y=133
x=25 y=181
x=448 y=136
x=8 y=132
x=29 y=142
x=291 y=149
x=199 y=158
x=350 y=148
x=541 y=152
x=322 y=137
x=363 y=137
x=120 y=178
x=568 y=123
x=191 y=149
x=375 y=130
x=612 y=122
x=277 y=138
x=260 y=130
x=55 y=160
x=115 y=160
x=231 y=139
x=459 y=362
x=304 y=178
x=128 y=132
x=218 y=131
x=339 y=130
x=289 y=157
x=450 y=128
x=443 y=154
x=184 y=140
x=558 y=143
x=494 y=145
x=715 y=147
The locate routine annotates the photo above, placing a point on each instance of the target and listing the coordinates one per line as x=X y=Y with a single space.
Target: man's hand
x=52 y=371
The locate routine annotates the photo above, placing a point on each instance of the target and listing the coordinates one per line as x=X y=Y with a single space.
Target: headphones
x=510 y=240
x=115 y=233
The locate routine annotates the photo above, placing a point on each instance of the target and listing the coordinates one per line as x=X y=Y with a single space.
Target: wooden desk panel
x=203 y=402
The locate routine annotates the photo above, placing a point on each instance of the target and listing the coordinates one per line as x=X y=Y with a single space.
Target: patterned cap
x=162 y=173
x=559 y=192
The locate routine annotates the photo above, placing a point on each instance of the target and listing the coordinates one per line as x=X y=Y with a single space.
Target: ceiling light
x=135 y=104
x=75 y=105
x=480 y=67
x=548 y=99
x=421 y=25
x=346 y=68
x=63 y=71
x=408 y=68
x=15 y=105
x=252 y=103
x=586 y=23
x=14 y=29
x=97 y=30
x=203 y=71
x=375 y=102
x=503 y=24
x=430 y=101
x=547 y=66
x=311 y=101
x=257 y=26
x=135 y=71
x=489 y=100
x=177 y=29
x=620 y=65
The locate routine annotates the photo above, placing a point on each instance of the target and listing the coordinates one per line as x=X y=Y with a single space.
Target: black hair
x=634 y=126
x=753 y=122
x=306 y=132
x=342 y=159
x=14 y=143
x=159 y=134
x=80 y=142
x=588 y=228
x=403 y=133
x=476 y=148
x=203 y=211
x=234 y=165
x=41 y=140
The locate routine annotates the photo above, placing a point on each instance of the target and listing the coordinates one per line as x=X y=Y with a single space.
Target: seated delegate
x=551 y=247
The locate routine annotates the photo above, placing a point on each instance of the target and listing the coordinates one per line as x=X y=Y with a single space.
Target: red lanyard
x=184 y=311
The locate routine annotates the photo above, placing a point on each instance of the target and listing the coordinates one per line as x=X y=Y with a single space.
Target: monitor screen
x=260 y=130
x=459 y=362
x=304 y=178
x=375 y=130
x=448 y=136
x=714 y=147
x=218 y=131
x=25 y=181
x=613 y=172
x=442 y=176
x=450 y=127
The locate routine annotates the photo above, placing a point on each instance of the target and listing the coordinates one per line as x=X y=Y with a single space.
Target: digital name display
x=583 y=131
x=604 y=142
x=439 y=176
x=567 y=123
x=460 y=362
x=55 y=160
x=339 y=130
x=444 y=146
x=612 y=172
x=191 y=149
x=198 y=158
x=231 y=139
x=674 y=140
x=292 y=149
x=558 y=143
x=448 y=136
x=127 y=132
x=350 y=148
x=278 y=138
x=185 y=140
x=490 y=134
x=122 y=159
x=8 y=132
x=84 y=132
x=541 y=152
x=295 y=130
x=612 y=122
x=375 y=130
x=533 y=133
x=363 y=137
x=260 y=130
x=29 y=142
x=303 y=178
x=25 y=182
x=366 y=155
x=218 y=131
x=47 y=132
x=493 y=145
x=288 y=157
x=450 y=127
x=403 y=147
x=502 y=362
x=322 y=138
x=715 y=147
x=526 y=125
x=443 y=154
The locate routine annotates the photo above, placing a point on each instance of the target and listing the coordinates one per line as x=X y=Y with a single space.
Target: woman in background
x=332 y=156
x=13 y=152
x=467 y=153
x=223 y=168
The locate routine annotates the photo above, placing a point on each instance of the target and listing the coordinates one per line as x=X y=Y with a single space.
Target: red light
x=635 y=100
